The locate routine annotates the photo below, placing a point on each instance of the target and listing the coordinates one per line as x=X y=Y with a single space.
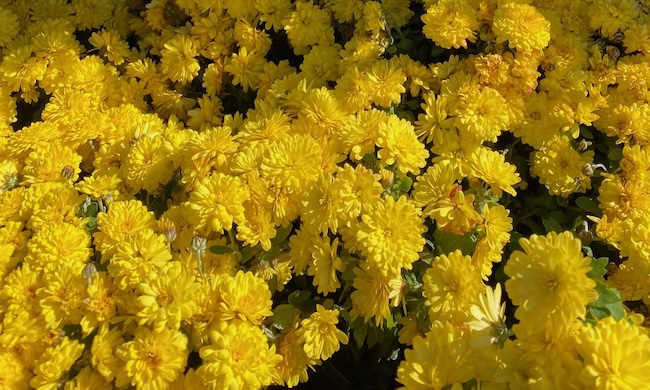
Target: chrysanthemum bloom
x=167 y=297
x=61 y=296
x=178 y=60
x=385 y=83
x=103 y=348
x=217 y=202
x=450 y=23
x=429 y=125
x=319 y=334
x=550 y=279
x=292 y=162
x=491 y=167
x=615 y=355
x=152 y=360
x=440 y=359
x=294 y=364
x=324 y=264
x=15 y=374
x=399 y=145
x=522 y=25
x=51 y=163
x=375 y=293
x=321 y=206
x=244 y=297
x=358 y=189
x=455 y=213
x=99 y=307
x=488 y=326
x=359 y=133
x=123 y=219
x=55 y=362
x=147 y=165
x=308 y=25
x=451 y=286
x=238 y=357
x=390 y=235
x=559 y=167
x=18 y=294
x=110 y=45
x=137 y=256
x=245 y=67
x=481 y=115
x=610 y=16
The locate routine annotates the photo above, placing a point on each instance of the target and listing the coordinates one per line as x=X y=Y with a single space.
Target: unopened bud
x=89 y=272
x=199 y=244
x=617 y=37
x=67 y=172
x=588 y=169
x=168 y=229
x=583 y=145
x=585 y=237
x=613 y=52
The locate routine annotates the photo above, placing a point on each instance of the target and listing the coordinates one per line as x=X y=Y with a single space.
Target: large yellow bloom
x=451 y=23
x=390 y=235
x=238 y=357
x=440 y=359
x=522 y=25
x=152 y=360
x=319 y=334
x=245 y=297
x=550 y=279
x=451 y=286
x=217 y=202
x=615 y=355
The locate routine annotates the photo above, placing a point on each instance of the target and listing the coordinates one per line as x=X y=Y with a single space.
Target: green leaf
x=360 y=331
x=405 y=184
x=281 y=234
x=617 y=310
x=221 y=249
x=551 y=225
x=615 y=154
x=588 y=251
x=449 y=242
x=405 y=45
x=608 y=303
x=284 y=315
x=589 y=205
x=298 y=297
x=598 y=267
x=585 y=132
x=92 y=210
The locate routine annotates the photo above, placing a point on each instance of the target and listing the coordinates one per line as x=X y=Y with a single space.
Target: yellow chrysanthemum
x=61 y=297
x=123 y=219
x=491 y=167
x=522 y=25
x=428 y=365
x=451 y=286
x=167 y=297
x=390 y=235
x=238 y=357
x=51 y=163
x=399 y=145
x=481 y=115
x=100 y=305
x=178 y=60
x=614 y=355
x=550 y=279
x=137 y=256
x=103 y=348
x=324 y=265
x=450 y=23
x=319 y=334
x=291 y=162
x=55 y=362
x=217 y=202
x=374 y=294
x=147 y=165
x=244 y=297
x=559 y=167
x=59 y=244
x=152 y=360
x=294 y=364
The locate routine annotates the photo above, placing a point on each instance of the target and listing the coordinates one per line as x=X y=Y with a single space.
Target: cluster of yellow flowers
x=173 y=171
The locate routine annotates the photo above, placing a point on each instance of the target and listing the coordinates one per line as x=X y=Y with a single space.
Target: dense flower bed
x=238 y=194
